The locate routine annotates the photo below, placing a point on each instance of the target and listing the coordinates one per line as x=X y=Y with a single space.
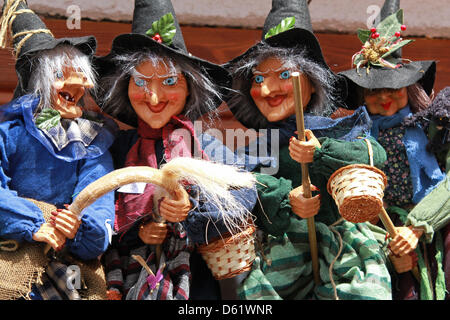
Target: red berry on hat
x=373 y=30
x=157 y=38
x=403 y=27
x=397 y=34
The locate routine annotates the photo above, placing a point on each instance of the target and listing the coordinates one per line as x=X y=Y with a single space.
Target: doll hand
x=404 y=263
x=153 y=232
x=66 y=222
x=303 y=151
x=49 y=234
x=304 y=207
x=405 y=241
x=175 y=210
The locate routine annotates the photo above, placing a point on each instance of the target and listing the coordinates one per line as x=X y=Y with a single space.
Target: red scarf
x=176 y=143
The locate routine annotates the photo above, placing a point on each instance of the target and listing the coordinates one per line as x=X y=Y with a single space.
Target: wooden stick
x=305 y=175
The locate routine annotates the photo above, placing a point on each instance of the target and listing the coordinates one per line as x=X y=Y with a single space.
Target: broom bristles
x=215 y=181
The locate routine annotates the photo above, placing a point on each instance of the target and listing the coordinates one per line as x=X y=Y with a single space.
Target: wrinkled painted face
x=272 y=90
x=69 y=87
x=156 y=94
x=385 y=102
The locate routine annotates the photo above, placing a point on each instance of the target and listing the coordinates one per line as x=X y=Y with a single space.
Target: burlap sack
x=21 y=268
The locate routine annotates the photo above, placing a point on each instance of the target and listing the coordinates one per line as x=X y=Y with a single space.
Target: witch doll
x=151 y=83
x=50 y=149
x=351 y=265
x=393 y=89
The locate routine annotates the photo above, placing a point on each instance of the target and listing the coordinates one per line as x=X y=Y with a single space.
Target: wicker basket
x=358 y=191
x=231 y=255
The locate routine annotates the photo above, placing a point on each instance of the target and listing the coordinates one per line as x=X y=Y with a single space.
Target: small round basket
x=229 y=256
x=358 y=191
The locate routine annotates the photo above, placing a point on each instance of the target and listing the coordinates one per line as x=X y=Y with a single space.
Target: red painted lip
x=275 y=101
x=386 y=105
x=158 y=108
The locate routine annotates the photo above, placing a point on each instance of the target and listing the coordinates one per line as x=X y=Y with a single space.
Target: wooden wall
x=221 y=44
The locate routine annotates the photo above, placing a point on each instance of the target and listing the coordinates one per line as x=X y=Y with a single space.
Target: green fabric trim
x=433 y=212
x=426 y=292
x=440 y=278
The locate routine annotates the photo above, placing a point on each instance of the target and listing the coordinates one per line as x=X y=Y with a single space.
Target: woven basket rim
x=227 y=240
x=358 y=165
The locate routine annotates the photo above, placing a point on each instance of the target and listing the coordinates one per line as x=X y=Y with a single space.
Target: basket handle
x=369 y=147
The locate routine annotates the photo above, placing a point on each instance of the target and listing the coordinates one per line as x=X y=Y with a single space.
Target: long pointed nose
x=78 y=79
x=269 y=87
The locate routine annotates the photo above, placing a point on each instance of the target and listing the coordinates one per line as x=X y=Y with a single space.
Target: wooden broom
x=305 y=174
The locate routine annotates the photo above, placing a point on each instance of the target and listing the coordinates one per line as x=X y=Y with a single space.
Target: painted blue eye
x=170 y=81
x=139 y=82
x=59 y=74
x=259 y=79
x=285 y=75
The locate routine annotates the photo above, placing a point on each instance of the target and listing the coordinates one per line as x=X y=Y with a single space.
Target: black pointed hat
x=29 y=36
x=299 y=34
x=391 y=71
x=149 y=32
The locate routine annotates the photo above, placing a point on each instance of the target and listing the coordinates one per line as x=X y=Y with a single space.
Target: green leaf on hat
x=363 y=35
x=165 y=27
x=390 y=25
x=47 y=119
x=396 y=47
x=284 y=25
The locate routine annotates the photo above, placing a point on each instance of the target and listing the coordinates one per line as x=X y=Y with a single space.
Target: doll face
x=156 y=94
x=68 y=88
x=272 y=90
x=385 y=102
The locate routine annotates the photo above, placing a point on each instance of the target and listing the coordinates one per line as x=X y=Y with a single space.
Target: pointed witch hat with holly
x=379 y=63
x=155 y=28
x=29 y=35
x=288 y=25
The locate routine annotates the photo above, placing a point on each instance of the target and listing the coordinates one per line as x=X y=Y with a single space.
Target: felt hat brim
x=378 y=78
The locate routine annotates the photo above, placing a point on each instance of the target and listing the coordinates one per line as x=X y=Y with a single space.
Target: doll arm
x=432 y=212
x=273 y=208
x=19 y=218
x=335 y=154
x=94 y=233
